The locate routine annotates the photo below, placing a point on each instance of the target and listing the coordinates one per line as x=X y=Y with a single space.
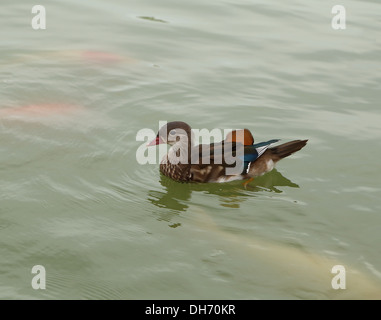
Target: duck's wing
x=266 y=143
x=216 y=153
x=254 y=151
x=211 y=162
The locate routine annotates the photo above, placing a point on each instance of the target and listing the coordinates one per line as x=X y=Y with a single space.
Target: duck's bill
x=155 y=142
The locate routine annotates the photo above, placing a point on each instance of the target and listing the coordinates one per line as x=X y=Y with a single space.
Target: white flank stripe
x=261 y=150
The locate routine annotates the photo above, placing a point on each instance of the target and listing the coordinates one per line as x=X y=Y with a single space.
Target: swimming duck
x=235 y=158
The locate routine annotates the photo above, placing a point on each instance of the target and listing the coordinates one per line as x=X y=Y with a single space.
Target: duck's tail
x=286 y=149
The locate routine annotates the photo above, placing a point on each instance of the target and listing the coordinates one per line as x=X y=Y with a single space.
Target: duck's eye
x=172 y=132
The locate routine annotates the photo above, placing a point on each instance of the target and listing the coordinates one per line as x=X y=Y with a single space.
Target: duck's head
x=172 y=132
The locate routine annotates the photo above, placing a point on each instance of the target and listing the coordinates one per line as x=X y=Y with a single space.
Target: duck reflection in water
x=177 y=195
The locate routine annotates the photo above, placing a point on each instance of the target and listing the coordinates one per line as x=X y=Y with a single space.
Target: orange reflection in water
x=40 y=110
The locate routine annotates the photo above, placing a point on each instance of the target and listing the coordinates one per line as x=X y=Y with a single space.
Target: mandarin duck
x=235 y=158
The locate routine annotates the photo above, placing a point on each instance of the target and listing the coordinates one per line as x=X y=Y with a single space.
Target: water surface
x=74 y=199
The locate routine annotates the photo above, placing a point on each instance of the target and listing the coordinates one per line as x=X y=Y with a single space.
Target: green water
x=74 y=199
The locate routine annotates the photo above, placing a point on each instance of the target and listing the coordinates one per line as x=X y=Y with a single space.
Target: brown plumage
x=186 y=162
x=286 y=149
x=267 y=161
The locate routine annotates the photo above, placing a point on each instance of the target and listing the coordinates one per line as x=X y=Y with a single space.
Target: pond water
x=75 y=200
